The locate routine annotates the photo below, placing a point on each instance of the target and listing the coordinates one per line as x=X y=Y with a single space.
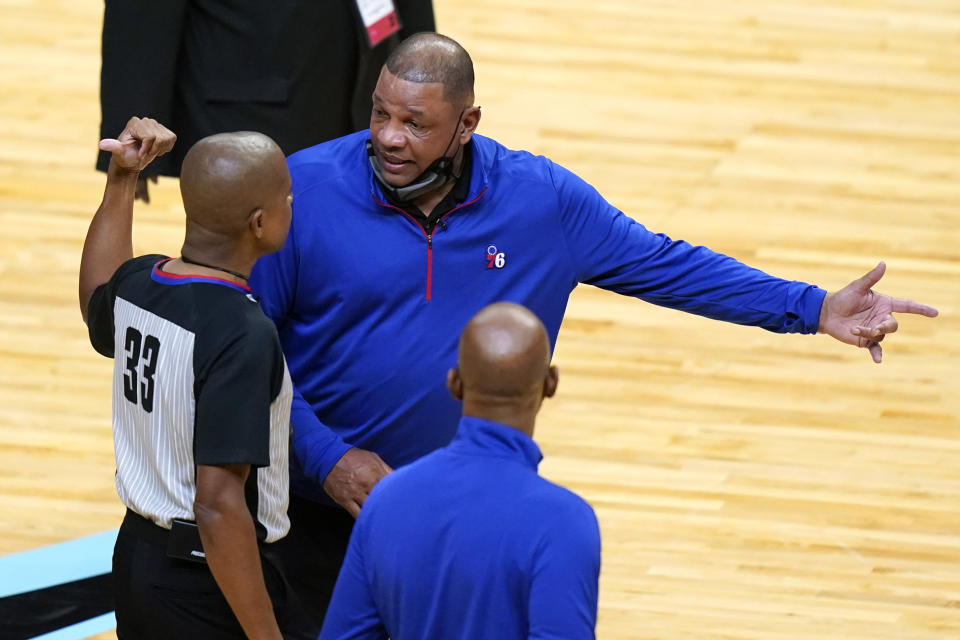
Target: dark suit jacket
x=299 y=71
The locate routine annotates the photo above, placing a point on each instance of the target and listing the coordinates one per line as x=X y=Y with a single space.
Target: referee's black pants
x=163 y=598
x=310 y=556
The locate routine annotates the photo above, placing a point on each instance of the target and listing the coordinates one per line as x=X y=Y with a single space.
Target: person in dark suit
x=298 y=71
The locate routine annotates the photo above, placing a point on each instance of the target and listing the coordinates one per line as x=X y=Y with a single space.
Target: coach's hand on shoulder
x=860 y=316
x=142 y=140
x=353 y=477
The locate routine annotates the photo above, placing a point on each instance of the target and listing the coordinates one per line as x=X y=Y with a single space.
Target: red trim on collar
x=180 y=276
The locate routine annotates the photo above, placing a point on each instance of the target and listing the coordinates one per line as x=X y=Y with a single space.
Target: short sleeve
x=100 y=307
x=235 y=391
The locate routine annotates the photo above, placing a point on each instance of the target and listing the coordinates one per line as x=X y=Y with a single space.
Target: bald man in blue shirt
x=469 y=542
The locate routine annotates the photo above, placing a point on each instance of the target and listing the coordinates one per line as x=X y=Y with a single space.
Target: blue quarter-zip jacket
x=369 y=307
x=470 y=543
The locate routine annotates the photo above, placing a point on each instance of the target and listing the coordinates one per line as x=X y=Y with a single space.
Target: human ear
x=468 y=123
x=256 y=222
x=455 y=384
x=551 y=381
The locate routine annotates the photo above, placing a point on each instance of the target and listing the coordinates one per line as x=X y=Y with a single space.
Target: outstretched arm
x=617 y=253
x=860 y=316
x=109 y=241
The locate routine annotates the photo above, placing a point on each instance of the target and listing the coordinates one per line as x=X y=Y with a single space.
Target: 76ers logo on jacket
x=495 y=259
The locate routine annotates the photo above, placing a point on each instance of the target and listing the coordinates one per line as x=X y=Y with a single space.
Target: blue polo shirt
x=469 y=542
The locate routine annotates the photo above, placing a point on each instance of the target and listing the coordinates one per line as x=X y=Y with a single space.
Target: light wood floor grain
x=748 y=485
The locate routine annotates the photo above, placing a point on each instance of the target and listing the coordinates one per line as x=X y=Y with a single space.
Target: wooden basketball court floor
x=748 y=485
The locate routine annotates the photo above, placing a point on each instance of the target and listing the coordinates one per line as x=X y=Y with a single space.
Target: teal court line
x=58 y=563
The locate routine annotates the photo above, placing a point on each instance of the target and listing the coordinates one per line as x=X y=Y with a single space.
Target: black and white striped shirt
x=199 y=379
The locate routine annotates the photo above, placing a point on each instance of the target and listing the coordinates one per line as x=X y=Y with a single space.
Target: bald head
x=227 y=176
x=431 y=57
x=503 y=369
x=504 y=351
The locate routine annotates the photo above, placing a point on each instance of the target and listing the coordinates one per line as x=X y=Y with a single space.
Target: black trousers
x=312 y=553
x=159 y=597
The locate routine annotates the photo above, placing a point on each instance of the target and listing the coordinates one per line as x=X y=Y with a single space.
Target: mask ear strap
x=456 y=130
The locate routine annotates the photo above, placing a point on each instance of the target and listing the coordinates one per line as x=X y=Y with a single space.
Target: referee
x=201 y=392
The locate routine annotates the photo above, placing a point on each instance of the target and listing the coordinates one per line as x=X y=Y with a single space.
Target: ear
x=551 y=381
x=256 y=222
x=455 y=384
x=468 y=123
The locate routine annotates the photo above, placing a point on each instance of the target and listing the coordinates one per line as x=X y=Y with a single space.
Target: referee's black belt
x=180 y=542
x=145 y=528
